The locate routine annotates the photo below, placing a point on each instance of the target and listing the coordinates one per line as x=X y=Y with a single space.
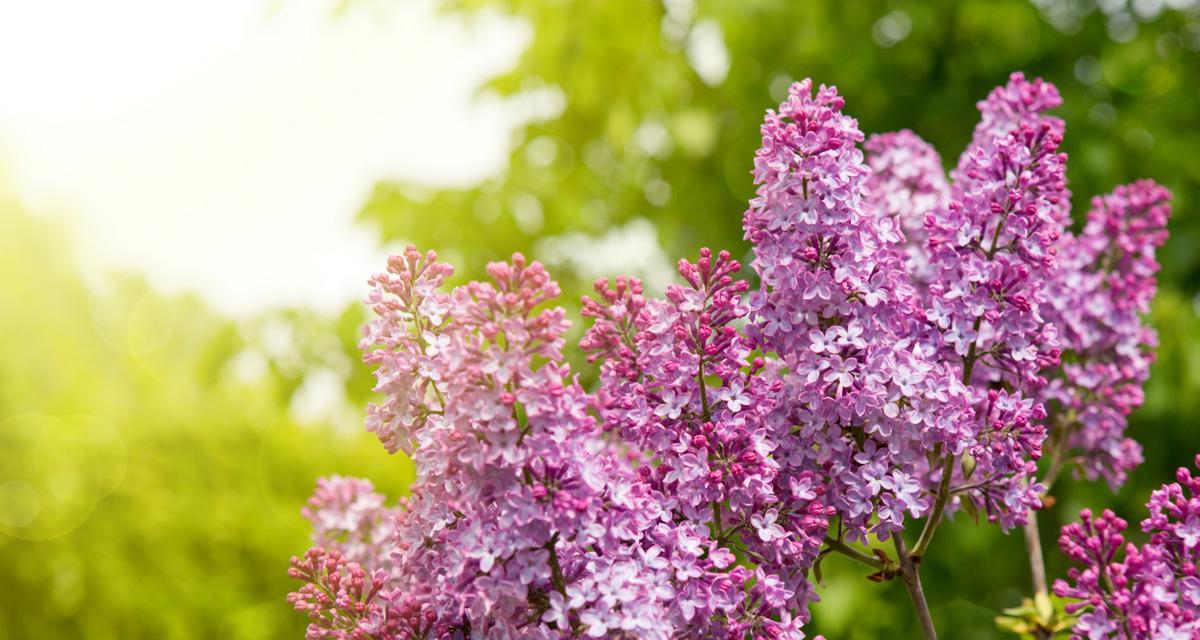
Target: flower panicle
x=1150 y=590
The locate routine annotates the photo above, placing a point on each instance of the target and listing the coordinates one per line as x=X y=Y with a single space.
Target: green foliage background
x=152 y=467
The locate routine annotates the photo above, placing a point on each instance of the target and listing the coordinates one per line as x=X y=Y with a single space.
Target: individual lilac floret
x=867 y=408
x=1151 y=592
x=907 y=183
x=1105 y=286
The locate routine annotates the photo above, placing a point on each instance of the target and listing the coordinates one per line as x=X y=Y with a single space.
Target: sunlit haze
x=225 y=146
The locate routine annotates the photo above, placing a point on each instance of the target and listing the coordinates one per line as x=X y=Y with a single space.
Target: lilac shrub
x=912 y=345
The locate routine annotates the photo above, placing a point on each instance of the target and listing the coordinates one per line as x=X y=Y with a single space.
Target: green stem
x=939 y=508
x=556 y=574
x=912 y=583
x=1037 y=563
x=855 y=554
x=1037 y=566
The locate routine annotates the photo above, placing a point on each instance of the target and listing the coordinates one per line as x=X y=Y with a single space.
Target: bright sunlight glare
x=225 y=146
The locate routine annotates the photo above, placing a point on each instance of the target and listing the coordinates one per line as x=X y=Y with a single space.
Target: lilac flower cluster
x=946 y=344
x=869 y=407
x=993 y=246
x=906 y=184
x=911 y=342
x=522 y=518
x=349 y=516
x=526 y=521
x=992 y=249
x=1105 y=284
x=1153 y=591
x=338 y=596
x=678 y=380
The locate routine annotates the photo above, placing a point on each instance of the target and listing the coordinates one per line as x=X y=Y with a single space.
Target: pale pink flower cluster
x=347 y=514
x=906 y=184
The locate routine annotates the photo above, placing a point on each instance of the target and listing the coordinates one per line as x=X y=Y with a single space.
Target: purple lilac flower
x=874 y=386
x=679 y=381
x=1104 y=288
x=992 y=250
x=896 y=362
x=1146 y=591
x=907 y=183
x=525 y=520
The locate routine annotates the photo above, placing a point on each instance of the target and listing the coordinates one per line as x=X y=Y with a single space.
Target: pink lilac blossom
x=1153 y=591
x=349 y=516
x=678 y=380
x=992 y=250
x=518 y=506
x=876 y=385
x=993 y=247
x=906 y=184
x=833 y=304
x=1105 y=286
x=338 y=596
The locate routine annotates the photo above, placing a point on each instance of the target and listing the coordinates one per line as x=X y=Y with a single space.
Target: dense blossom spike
x=873 y=396
x=519 y=506
x=349 y=516
x=907 y=183
x=992 y=251
x=404 y=343
x=1105 y=285
x=684 y=385
x=1138 y=591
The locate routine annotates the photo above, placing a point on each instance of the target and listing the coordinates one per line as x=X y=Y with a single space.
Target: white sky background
x=225 y=147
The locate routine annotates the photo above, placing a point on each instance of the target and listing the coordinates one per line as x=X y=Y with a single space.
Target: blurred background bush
x=155 y=452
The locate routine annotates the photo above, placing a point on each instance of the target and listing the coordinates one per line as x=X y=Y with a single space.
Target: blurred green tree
x=655 y=109
x=153 y=455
